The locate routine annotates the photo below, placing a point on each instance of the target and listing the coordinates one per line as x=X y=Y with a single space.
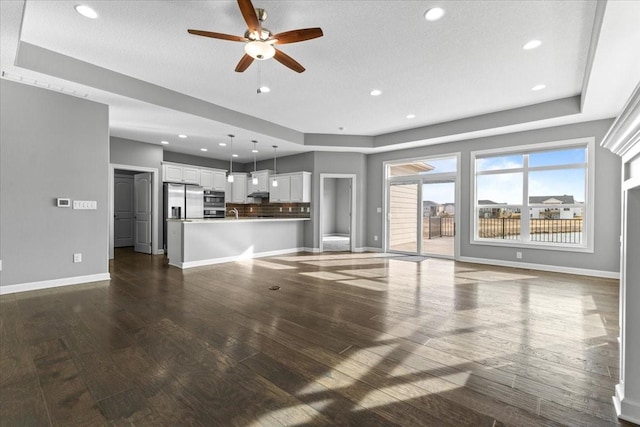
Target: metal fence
x=541 y=230
x=439 y=226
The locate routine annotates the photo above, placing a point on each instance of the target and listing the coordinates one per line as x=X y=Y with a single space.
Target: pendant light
x=230 y=177
x=274 y=181
x=254 y=180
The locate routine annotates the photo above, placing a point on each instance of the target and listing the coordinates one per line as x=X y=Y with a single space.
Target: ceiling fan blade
x=294 y=36
x=288 y=61
x=250 y=17
x=217 y=35
x=244 y=63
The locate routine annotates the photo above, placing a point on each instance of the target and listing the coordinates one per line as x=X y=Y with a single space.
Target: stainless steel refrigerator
x=182 y=201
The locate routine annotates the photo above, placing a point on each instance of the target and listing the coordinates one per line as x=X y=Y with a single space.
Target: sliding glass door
x=421 y=206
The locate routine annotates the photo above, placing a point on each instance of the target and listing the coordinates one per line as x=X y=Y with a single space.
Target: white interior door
x=142 y=202
x=123 y=211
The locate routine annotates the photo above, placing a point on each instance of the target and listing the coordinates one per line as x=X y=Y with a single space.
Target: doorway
x=337 y=212
x=134 y=208
x=421 y=200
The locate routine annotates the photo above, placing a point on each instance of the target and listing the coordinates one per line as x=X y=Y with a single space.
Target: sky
x=507 y=188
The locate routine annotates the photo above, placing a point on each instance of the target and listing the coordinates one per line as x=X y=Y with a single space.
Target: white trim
x=159 y=252
x=543 y=267
x=55 y=283
x=312 y=250
x=588 y=231
x=624 y=133
x=212 y=261
x=155 y=206
x=625 y=409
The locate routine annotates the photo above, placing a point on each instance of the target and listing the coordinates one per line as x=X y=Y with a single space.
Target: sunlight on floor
x=293 y=415
x=326 y=275
x=372 y=285
x=267 y=264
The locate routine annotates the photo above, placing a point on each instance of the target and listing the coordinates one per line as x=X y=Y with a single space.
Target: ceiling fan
x=259 y=41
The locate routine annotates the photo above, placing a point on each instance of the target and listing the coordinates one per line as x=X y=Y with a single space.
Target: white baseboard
x=312 y=250
x=543 y=267
x=158 y=252
x=371 y=249
x=625 y=409
x=45 y=284
x=212 y=261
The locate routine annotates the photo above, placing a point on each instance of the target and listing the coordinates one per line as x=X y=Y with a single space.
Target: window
x=537 y=195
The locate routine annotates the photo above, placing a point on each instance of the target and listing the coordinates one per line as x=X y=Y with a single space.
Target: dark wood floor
x=349 y=339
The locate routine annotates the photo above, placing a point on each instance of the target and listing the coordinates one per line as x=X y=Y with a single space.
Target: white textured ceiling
x=469 y=63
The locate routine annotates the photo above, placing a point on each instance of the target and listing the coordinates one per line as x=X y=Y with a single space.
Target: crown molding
x=624 y=133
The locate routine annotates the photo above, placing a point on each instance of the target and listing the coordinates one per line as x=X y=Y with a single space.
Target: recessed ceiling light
x=182 y=136
x=264 y=89
x=86 y=11
x=538 y=87
x=164 y=142
x=411 y=116
x=375 y=92
x=234 y=155
x=203 y=149
x=254 y=151
x=434 y=14
x=532 y=44
x=223 y=144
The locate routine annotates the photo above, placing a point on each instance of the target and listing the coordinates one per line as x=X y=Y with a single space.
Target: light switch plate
x=85 y=204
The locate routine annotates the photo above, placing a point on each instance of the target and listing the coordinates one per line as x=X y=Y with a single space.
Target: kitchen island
x=198 y=242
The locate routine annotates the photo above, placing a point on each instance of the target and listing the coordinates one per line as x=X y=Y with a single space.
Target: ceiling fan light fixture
x=259 y=50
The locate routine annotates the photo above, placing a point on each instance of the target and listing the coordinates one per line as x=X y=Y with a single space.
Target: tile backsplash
x=270 y=210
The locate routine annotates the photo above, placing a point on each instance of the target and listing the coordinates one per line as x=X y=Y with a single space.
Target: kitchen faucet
x=235 y=211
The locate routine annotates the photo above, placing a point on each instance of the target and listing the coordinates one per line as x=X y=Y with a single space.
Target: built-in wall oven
x=214 y=204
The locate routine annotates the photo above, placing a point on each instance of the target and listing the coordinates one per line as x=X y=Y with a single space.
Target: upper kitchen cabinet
x=174 y=172
x=237 y=190
x=263 y=182
x=292 y=187
x=213 y=179
x=209 y=179
x=301 y=187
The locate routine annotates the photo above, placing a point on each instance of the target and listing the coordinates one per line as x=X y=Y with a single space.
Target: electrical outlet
x=375 y=238
x=301 y=209
x=519 y=255
x=280 y=209
x=77 y=257
x=308 y=210
x=289 y=209
x=250 y=209
x=379 y=210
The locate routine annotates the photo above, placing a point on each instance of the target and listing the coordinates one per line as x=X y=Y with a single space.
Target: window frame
x=588 y=206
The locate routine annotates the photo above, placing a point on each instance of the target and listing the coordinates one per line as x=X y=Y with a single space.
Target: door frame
x=458 y=197
x=155 y=204
x=352 y=226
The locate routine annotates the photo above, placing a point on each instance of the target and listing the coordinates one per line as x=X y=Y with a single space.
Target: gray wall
x=135 y=153
x=348 y=163
x=343 y=201
x=607 y=196
x=51 y=145
x=188 y=159
x=329 y=207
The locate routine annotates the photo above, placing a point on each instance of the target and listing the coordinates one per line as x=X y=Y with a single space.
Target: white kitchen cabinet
x=171 y=173
x=237 y=190
x=301 y=187
x=282 y=192
x=213 y=179
x=174 y=172
x=292 y=188
x=263 y=182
